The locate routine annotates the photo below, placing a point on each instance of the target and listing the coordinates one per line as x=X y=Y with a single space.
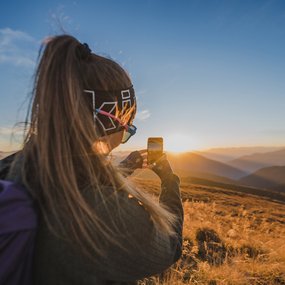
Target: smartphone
x=154 y=149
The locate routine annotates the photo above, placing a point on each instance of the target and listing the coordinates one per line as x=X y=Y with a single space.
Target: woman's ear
x=100 y=147
x=107 y=143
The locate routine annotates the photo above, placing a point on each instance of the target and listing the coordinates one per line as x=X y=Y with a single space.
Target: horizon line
x=184 y=151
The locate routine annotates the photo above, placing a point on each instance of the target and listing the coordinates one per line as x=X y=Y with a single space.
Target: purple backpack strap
x=18 y=224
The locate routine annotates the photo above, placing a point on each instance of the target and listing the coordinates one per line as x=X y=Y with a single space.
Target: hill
x=3 y=154
x=231 y=153
x=148 y=174
x=249 y=190
x=253 y=162
x=268 y=177
x=229 y=237
x=193 y=163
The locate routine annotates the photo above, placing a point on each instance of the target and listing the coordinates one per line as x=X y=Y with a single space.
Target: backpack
x=18 y=224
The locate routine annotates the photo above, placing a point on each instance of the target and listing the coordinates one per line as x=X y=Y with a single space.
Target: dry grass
x=229 y=238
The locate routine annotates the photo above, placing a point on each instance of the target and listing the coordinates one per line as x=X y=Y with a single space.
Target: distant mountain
x=206 y=176
x=231 y=153
x=279 y=188
x=150 y=175
x=253 y=162
x=194 y=163
x=227 y=188
x=268 y=177
x=118 y=156
x=5 y=153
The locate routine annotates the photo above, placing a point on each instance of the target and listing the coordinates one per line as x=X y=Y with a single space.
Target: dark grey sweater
x=60 y=263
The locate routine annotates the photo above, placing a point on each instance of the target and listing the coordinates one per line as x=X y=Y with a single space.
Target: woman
x=95 y=227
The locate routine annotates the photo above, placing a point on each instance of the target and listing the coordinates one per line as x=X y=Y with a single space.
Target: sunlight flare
x=178 y=143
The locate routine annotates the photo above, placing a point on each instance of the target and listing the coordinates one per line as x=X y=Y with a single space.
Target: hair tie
x=83 y=51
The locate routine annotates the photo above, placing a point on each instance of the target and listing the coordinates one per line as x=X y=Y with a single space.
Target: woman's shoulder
x=10 y=167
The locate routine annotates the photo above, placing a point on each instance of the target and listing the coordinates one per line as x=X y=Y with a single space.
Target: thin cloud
x=8 y=131
x=17 y=60
x=17 y=48
x=143 y=115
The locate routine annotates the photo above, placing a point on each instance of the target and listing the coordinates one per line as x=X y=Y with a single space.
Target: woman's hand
x=138 y=159
x=132 y=162
x=162 y=168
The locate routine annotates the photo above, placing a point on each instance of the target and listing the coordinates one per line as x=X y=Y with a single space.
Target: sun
x=178 y=143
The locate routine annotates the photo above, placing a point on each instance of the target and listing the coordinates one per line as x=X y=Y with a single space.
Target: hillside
x=4 y=153
x=148 y=174
x=268 y=177
x=230 y=237
x=194 y=162
x=206 y=176
x=253 y=162
x=231 y=153
x=248 y=190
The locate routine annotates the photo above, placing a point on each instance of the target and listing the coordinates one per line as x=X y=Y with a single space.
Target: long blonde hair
x=59 y=163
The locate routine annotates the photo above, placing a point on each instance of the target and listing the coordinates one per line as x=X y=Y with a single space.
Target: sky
x=206 y=73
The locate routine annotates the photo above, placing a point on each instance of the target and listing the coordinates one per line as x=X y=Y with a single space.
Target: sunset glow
x=179 y=143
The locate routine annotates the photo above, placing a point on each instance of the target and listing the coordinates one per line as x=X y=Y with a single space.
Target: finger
x=145 y=165
x=145 y=162
x=144 y=156
x=151 y=165
x=143 y=152
x=148 y=166
x=162 y=158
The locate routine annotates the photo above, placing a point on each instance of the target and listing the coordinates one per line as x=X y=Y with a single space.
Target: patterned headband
x=121 y=102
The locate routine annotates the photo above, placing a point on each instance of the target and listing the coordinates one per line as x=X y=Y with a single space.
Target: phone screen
x=154 y=149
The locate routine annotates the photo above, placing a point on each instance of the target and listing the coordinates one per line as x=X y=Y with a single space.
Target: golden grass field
x=230 y=237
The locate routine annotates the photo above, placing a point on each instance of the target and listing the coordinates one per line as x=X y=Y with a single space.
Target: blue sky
x=206 y=73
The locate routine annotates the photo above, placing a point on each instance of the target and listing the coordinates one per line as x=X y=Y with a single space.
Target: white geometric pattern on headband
x=93 y=102
x=126 y=99
x=111 y=104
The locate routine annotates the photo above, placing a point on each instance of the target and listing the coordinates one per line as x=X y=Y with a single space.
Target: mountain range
x=256 y=161
x=196 y=163
x=6 y=153
x=195 y=166
x=261 y=170
x=269 y=177
x=230 y=153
